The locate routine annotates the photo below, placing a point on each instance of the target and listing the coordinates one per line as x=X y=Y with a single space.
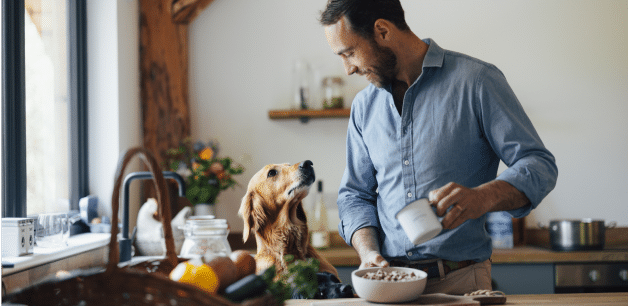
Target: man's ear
x=381 y=29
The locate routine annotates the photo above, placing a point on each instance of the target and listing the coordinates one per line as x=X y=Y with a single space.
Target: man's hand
x=373 y=259
x=365 y=243
x=472 y=203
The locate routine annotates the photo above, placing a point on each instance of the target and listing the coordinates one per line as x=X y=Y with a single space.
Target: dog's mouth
x=302 y=185
x=299 y=188
x=306 y=178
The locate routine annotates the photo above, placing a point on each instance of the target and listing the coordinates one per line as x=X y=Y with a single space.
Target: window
x=44 y=147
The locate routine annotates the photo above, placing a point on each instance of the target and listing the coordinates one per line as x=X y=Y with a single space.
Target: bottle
x=320 y=229
x=302 y=81
x=499 y=227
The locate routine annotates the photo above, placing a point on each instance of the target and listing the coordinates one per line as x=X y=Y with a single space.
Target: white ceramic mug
x=419 y=221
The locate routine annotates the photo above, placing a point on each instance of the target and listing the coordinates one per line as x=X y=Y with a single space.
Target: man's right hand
x=373 y=259
x=365 y=243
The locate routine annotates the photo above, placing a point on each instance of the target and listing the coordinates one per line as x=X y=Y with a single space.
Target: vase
x=204 y=209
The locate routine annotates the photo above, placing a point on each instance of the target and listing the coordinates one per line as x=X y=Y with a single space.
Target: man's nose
x=349 y=69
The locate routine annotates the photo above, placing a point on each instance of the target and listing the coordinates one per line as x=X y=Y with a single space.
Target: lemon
x=195 y=273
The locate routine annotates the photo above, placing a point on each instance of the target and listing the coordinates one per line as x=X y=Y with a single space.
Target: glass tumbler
x=52 y=230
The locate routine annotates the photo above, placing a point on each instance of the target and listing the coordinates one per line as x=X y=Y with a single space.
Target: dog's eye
x=272 y=173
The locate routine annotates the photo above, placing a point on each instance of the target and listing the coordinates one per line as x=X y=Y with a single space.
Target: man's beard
x=383 y=72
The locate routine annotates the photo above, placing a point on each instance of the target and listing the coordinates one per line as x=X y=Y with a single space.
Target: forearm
x=364 y=241
x=501 y=195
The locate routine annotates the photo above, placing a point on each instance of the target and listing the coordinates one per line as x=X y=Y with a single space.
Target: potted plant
x=205 y=174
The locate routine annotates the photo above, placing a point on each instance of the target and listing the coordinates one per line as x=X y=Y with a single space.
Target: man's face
x=360 y=55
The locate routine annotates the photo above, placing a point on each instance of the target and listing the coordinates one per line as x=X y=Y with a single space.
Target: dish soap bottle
x=320 y=229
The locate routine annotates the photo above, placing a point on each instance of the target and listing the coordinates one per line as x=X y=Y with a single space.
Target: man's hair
x=362 y=14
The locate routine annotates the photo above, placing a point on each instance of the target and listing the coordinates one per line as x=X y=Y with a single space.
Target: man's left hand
x=466 y=203
x=472 y=203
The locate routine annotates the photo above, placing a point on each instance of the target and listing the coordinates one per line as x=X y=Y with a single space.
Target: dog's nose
x=306 y=164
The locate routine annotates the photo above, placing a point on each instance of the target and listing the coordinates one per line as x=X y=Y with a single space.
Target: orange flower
x=222 y=175
x=206 y=154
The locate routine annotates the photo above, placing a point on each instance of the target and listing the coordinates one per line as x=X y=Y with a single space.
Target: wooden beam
x=164 y=77
x=184 y=11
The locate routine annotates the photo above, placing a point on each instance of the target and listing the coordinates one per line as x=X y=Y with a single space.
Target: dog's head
x=275 y=194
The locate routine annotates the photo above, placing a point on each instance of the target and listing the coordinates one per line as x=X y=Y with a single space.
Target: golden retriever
x=272 y=209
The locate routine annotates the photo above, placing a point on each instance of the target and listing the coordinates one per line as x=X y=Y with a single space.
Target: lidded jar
x=205 y=237
x=333 y=92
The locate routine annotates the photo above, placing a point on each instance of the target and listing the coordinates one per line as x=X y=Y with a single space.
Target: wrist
x=500 y=195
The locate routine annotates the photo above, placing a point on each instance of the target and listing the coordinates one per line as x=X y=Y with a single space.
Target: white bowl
x=381 y=291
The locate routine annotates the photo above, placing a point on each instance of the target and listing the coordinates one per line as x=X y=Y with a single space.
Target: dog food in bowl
x=389 y=285
x=393 y=276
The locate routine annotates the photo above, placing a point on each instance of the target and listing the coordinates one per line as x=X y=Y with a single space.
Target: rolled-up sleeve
x=357 y=194
x=531 y=167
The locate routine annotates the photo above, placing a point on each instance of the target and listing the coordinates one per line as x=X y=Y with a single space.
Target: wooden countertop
x=609 y=299
x=346 y=256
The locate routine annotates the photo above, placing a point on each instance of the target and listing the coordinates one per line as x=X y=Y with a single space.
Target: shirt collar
x=435 y=54
x=433 y=58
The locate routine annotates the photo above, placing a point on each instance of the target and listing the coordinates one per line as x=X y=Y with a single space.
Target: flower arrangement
x=205 y=174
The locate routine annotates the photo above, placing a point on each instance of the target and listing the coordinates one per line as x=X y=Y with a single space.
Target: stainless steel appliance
x=577 y=235
x=590 y=278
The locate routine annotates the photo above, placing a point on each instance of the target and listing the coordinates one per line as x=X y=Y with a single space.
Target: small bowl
x=382 y=291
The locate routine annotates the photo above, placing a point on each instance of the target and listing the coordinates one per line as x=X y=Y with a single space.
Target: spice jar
x=334 y=92
x=205 y=237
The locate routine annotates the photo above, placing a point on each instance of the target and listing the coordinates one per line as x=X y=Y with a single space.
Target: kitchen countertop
x=609 y=299
x=346 y=256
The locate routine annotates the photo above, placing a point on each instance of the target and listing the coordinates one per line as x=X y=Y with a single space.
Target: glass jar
x=205 y=237
x=334 y=92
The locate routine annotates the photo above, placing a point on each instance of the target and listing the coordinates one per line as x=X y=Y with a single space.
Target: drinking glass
x=52 y=230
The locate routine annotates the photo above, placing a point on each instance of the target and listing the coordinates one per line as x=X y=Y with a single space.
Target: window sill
x=76 y=245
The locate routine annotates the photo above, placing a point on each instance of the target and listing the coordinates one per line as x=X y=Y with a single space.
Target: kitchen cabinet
x=523 y=278
x=306 y=114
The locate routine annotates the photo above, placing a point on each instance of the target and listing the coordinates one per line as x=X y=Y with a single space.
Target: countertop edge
x=346 y=256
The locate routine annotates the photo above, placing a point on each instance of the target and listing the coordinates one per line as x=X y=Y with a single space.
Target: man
x=433 y=123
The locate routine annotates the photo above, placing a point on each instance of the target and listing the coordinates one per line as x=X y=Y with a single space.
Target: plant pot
x=204 y=209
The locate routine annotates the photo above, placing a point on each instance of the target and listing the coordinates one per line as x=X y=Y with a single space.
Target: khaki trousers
x=461 y=281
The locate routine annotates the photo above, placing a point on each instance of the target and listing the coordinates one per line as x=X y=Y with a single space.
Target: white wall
x=566 y=60
x=114 y=120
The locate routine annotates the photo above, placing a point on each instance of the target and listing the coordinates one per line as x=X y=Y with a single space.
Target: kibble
x=392 y=276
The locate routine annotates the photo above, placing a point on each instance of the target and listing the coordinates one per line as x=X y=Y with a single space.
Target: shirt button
x=406 y=162
x=409 y=195
x=409 y=253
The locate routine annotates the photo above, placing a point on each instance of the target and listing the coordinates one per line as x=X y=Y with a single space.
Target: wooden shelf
x=305 y=114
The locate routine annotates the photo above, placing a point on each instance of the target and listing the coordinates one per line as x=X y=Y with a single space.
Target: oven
x=591 y=277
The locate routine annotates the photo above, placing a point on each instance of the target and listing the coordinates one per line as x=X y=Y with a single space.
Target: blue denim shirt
x=459 y=119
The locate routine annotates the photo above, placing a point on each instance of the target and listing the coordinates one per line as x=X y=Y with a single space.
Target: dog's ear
x=245 y=214
x=249 y=211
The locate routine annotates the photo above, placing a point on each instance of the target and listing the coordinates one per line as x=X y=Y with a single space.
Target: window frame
x=13 y=106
